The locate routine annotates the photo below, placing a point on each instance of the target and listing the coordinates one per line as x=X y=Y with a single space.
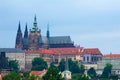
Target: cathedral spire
x=19 y=27
x=48 y=33
x=26 y=32
x=35 y=27
x=35 y=19
x=35 y=23
x=19 y=37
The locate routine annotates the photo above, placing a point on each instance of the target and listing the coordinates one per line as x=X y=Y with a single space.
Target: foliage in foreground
x=39 y=64
x=53 y=74
x=12 y=76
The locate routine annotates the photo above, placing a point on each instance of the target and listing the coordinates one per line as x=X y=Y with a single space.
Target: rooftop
x=111 y=56
x=11 y=50
x=40 y=73
x=66 y=51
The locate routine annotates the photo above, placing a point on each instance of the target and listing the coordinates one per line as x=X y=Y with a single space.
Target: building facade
x=15 y=54
x=91 y=55
x=113 y=59
x=33 y=39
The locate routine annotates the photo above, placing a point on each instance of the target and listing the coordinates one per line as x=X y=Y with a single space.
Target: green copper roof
x=35 y=27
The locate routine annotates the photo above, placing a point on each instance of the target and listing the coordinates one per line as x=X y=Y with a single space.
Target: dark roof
x=11 y=50
x=43 y=39
x=60 y=40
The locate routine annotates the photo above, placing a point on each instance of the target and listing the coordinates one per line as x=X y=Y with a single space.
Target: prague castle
x=33 y=39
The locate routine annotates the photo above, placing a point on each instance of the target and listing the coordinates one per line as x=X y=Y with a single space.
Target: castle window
x=84 y=58
x=87 y=58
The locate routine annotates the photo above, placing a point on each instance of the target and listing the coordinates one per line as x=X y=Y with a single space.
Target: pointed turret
x=35 y=27
x=26 y=32
x=48 y=33
x=19 y=27
x=19 y=37
x=35 y=21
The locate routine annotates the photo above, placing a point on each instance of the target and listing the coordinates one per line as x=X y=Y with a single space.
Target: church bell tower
x=34 y=36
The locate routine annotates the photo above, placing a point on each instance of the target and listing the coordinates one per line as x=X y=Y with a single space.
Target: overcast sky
x=90 y=23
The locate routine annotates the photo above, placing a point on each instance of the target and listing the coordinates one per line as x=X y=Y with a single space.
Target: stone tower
x=34 y=36
x=25 y=39
x=18 y=43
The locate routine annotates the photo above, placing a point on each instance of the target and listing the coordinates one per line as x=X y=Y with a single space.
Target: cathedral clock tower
x=34 y=36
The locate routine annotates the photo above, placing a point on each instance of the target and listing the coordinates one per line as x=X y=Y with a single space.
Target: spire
x=19 y=27
x=48 y=33
x=35 y=23
x=26 y=32
x=35 y=27
x=66 y=65
x=19 y=37
x=35 y=19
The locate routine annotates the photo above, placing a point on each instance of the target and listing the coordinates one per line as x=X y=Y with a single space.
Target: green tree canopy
x=61 y=65
x=107 y=70
x=32 y=77
x=82 y=69
x=12 y=76
x=53 y=74
x=83 y=77
x=13 y=64
x=39 y=64
x=73 y=66
x=92 y=73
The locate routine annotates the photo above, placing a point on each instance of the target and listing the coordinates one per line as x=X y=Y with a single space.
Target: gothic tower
x=25 y=39
x=34 y=36
x=48 y=32
x=18 y=43
x=48 y=36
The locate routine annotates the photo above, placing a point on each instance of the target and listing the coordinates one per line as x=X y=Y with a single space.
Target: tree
x=62 y=65
x=53 y=74
x=82 y=69
x=12 y=76
x=73 y=66
x=39 y=64
x=32 y=77
x=92 y=73
x=13 y=64
x=4 y=64
x=26 y=73
x=83 y=77
x=107 y=71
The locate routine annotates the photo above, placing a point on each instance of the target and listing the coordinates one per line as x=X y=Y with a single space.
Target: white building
x=66 y=74
x=113 y=59
x=15 y=54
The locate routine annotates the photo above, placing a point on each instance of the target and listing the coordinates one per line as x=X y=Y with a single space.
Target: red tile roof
x=111 y=56
x=66 y=51
x=39 y=73
x=91 y=51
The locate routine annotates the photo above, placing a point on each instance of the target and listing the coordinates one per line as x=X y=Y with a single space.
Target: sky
x=90 y=23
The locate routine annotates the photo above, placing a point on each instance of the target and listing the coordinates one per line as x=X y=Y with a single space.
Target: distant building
x=91 y=55
x=113 y=59
x=55 y=55
x=15 y=54
x=34 y=40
